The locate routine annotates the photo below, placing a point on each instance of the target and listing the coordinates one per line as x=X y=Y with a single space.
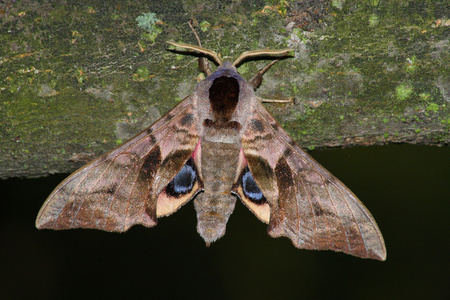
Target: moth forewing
x=120 y=188
x=313 y=208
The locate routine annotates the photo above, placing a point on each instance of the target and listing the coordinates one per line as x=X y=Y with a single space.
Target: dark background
x=407 y=189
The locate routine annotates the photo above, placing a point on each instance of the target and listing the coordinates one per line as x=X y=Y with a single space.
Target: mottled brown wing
x=307 y=203
x=121 y=188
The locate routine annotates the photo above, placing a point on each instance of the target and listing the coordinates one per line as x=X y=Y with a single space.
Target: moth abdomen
x=214 y=206
x=213 y=211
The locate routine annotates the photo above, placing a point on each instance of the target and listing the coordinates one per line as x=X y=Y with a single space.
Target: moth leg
x=203 y=64
x=256 y=80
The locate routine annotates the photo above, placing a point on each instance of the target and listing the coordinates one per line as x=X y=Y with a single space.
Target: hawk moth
x=217 y=145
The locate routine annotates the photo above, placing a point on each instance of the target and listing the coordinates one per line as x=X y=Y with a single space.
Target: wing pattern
x=121 y=188
x=307 y=203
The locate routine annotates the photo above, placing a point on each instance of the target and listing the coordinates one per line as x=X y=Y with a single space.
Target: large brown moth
x=218 y=144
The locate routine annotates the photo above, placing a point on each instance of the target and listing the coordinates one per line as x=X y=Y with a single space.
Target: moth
x=217 y=145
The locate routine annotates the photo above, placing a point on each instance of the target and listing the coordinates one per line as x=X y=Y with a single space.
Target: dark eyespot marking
x=250 y=188
x=153 y=139
x=257 y=125
x=184 y=181
x=224 y=96
x=149 y=132
x=187 y=120
x=287 y=152
x=275 y=126
x=208 y=123
x=169 y=117
x=112 y=189
x=234 y=125
x=318 y=211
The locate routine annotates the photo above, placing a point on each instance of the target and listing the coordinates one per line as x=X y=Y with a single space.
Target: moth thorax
x=224 y=97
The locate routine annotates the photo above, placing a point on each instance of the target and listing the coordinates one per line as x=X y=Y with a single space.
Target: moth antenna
x=195 y=33
x=256 y=53
x=203 y=64
x=198 y=49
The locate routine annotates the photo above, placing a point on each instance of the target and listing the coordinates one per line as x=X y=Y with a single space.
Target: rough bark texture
x=78 y=78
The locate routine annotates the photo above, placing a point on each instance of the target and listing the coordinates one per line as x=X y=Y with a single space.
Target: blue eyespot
x=184 y=181
x=250 y=188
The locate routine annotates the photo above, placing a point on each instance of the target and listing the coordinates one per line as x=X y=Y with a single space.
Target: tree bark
x=80 y=78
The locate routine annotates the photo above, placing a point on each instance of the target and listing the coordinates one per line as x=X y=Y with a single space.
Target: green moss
x=243 y=69
x=80 y=75
x=411 y=64
x=338 y=3
x=373 y=20
x=204 y=25
x=403 y=92
x=446 y=121
x=433 y=107
x=425 y=96
x=142 y=74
